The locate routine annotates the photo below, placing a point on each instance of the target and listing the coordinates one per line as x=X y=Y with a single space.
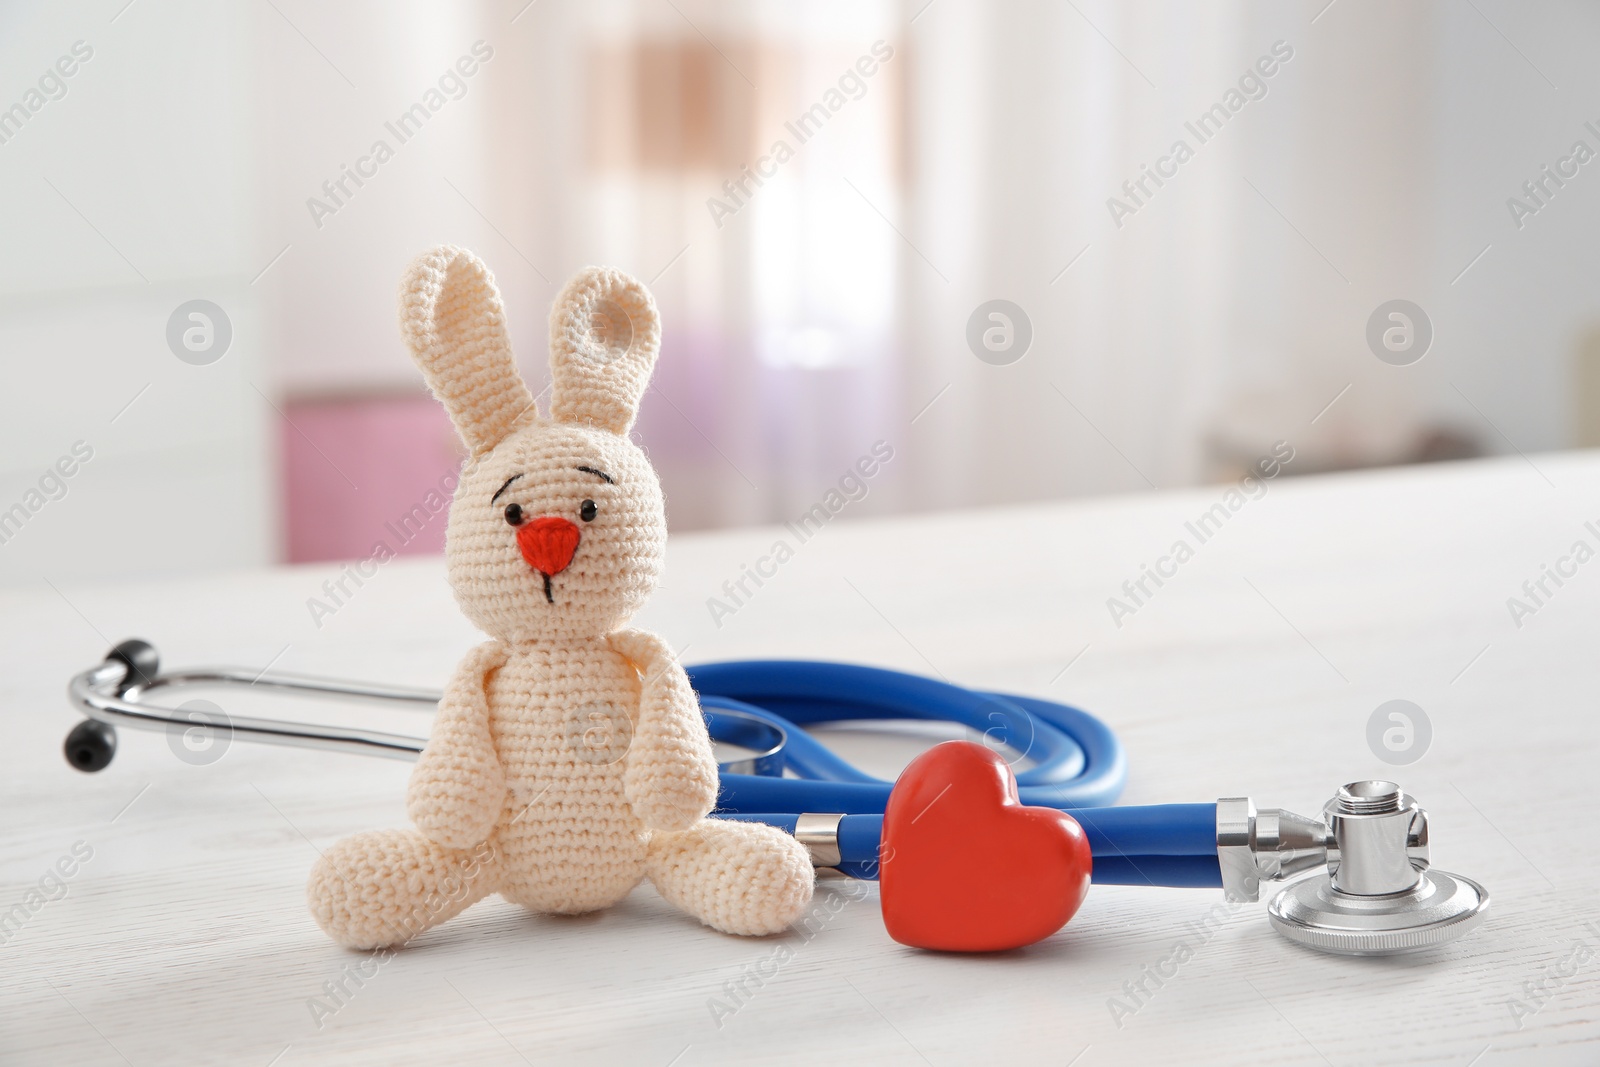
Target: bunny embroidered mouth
x=548 y=544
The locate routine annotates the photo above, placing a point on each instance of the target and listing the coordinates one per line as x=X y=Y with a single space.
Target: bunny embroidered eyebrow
x=504 y=487
x=602 y=475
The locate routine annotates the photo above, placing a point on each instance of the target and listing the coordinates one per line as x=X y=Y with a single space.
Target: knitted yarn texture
x=569 y=760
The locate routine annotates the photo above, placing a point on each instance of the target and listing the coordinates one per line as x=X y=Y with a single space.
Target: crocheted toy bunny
x=569 y=760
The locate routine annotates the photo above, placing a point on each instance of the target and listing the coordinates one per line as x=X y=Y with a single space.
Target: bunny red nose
x=547 y=543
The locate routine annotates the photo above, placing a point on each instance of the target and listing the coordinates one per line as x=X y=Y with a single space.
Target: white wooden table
x=185 y=937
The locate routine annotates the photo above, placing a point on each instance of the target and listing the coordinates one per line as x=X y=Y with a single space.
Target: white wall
x=190 y=142
x=153 y=203
x=1512 y=326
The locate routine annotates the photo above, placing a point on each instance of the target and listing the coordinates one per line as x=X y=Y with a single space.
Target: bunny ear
x=604 y=336
x=453 y=322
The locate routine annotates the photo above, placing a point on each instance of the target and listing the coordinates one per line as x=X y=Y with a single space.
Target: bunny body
x=546 y=788
x=569 y=760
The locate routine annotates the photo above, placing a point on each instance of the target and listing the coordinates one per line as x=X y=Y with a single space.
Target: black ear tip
x=90 y=745
x=140 y=658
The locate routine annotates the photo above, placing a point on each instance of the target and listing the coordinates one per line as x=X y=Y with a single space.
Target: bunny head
x=558 y=527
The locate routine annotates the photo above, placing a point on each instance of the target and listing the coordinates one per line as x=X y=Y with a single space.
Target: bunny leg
x=738 y=877
x=388 y=886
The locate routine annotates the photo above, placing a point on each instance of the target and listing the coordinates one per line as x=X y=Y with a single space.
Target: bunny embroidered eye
x=514 y=514
x=587 y=511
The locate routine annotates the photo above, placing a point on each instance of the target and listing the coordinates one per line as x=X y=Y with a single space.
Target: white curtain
x=830 y=309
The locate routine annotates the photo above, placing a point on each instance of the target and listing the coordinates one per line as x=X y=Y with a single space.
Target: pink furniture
x=365 y=474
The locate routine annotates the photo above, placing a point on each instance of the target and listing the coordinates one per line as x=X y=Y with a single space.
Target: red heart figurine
x=965 y=867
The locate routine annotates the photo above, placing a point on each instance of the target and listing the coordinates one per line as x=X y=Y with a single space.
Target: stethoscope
x=1358 y=878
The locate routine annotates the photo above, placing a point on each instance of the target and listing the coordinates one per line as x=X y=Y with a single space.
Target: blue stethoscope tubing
x=1079 y=766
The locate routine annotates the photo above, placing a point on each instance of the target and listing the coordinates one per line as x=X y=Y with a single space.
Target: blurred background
x=209 y=206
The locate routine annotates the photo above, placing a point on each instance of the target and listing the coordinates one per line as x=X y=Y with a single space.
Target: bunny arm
x=458 y=787
x=671 y=777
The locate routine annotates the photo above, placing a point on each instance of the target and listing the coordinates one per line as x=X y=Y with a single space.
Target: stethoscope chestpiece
x=1378 y=896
